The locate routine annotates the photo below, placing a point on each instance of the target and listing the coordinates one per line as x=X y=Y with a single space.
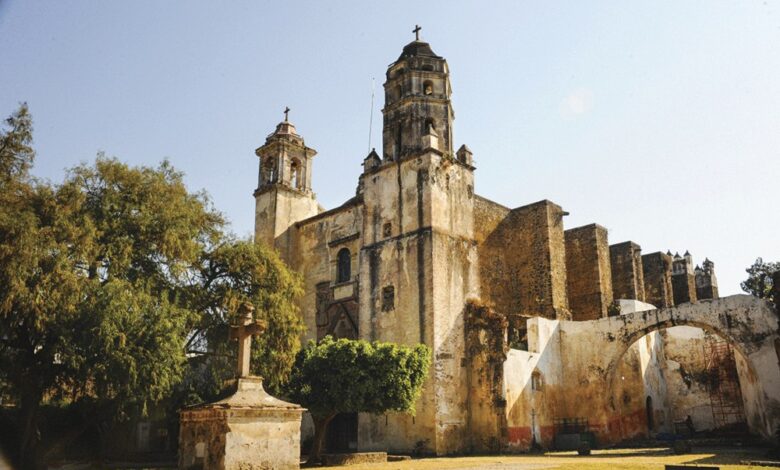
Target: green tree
x=16 y=152
x=109 y=280
x=348 y=376
x=229 y=274
x=759 y=281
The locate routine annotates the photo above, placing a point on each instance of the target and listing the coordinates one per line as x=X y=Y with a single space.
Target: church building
x=416 y=256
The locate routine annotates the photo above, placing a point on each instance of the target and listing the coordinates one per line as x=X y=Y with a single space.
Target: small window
x=427 y=87
x=536 y=381
x=429 y=126
x=388 y=298
x=344 y=266
x=387 y=229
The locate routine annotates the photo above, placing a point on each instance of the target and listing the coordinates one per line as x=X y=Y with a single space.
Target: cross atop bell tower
x=417 y=102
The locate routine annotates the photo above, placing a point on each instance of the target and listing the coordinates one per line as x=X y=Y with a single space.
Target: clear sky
x=659 y=120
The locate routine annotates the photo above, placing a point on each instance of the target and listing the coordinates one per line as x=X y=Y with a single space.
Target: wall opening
x=343 y=265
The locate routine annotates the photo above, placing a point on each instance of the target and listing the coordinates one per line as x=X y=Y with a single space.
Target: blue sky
x=659 y=120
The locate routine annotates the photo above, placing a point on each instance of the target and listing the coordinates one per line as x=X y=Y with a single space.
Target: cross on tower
x=416 y=32
x=286 y=113
x=243 y=332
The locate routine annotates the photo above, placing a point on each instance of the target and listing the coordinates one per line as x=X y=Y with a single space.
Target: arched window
x=536 y=381
x=295 y=174
x=428 y=126
x=427 y=87
x=269 y=171
x=344 y=266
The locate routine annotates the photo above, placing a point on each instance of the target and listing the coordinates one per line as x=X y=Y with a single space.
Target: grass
x=614 y=459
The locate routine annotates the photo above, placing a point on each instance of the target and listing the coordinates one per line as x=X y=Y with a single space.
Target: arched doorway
x=680 y=378
x=649 y=413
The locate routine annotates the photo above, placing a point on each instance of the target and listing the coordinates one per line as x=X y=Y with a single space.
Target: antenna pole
x=371 y=115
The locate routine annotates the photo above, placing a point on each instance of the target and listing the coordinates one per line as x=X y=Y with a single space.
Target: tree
x=229 y=274
x=759 y=281
x=111 y=278
x=341 y=376
x=16 y=152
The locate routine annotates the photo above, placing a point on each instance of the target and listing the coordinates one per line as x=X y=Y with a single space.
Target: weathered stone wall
x=523 y=263
x=239 y=439
x=429 y=261
x=534 y=386
x=486 y=353
x=706 y=286
x=627 y=275
x=316 y=245
x=277 y=209
x=683 y=288
x=588 y=272
x=657 y=269
x=687 y=376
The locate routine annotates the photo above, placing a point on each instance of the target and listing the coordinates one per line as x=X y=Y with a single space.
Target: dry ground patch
x=614 y=459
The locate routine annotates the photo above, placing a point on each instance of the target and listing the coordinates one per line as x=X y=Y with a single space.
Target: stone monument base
x=248 y=430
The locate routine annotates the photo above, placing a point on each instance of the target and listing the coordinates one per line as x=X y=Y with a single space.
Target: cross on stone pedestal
x=416 y=32
x=243 y=332
x=286 y=113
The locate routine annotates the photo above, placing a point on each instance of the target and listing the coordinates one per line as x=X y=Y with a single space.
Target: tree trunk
x=320 y=429
x=28 y=421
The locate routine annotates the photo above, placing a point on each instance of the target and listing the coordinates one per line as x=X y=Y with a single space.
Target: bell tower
x=417 y=102
x=283 y=195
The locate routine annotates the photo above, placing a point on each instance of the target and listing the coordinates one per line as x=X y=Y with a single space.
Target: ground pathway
x=614 y=459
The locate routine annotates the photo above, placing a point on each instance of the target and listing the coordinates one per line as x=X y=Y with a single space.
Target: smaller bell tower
x=283 y=195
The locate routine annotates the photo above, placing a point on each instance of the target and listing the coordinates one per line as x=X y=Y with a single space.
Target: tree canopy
x=759 y=281
x=338 y=376
x=114 y=278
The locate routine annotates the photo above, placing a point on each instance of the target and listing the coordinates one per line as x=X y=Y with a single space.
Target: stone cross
x=416 y=32
x=286 y=113
x=243 y=332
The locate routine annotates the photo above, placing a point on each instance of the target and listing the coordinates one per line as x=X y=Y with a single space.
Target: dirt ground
x=615 y=459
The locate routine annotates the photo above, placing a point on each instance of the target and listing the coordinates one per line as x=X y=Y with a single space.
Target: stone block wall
x=706 y=286
x=683 y=288
x=657 y=269
x=523 y=263
x=627 y=275
x=588 y=272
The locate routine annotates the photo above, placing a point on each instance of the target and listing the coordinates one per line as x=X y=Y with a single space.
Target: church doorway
x=342 y=433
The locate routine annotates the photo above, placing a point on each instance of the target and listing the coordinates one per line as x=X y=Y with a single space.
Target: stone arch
x=295 y=173
x=748 y=324
x=270 y=171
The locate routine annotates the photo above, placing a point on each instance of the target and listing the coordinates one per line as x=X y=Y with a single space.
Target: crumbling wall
x=523 y=263
x=657 y=269
x=687 y=376
x=588 y=272
x=486 y=353
x=627 y=275
x=683 y=288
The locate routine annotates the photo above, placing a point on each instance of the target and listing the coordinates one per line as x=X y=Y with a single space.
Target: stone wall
x=523 y=263
x=657 y=269
x=627 y=275
x=588 y=272
x=683 y=288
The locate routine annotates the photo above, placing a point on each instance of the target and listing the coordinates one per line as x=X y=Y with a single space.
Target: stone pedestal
x=248 y=430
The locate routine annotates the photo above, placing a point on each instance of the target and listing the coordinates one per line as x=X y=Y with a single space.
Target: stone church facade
x=416 y=254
